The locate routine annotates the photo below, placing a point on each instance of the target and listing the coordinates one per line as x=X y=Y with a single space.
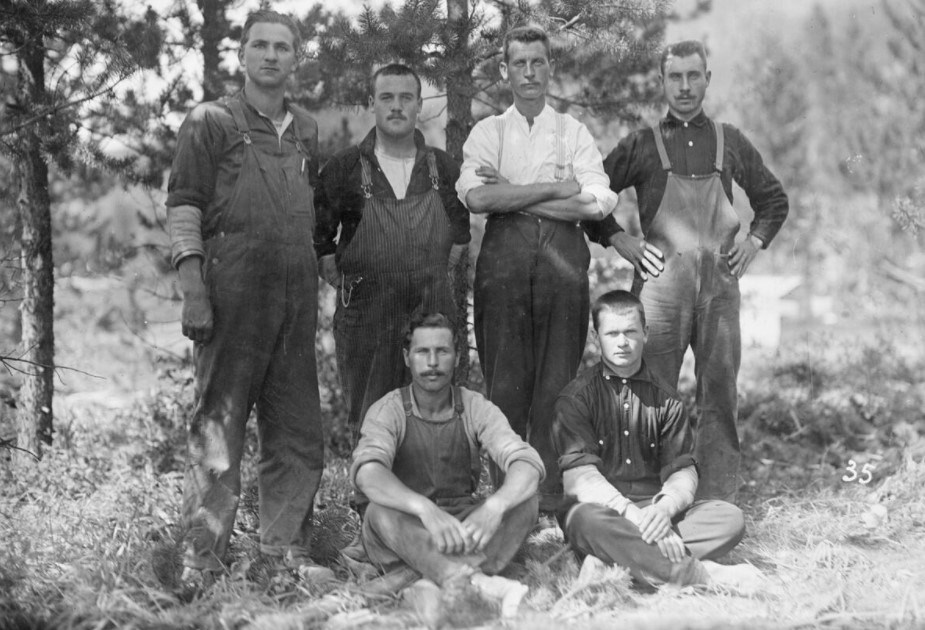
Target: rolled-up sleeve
x=480 y=149
x=380 y=435
x=589 y=172
x=184 y=225
x=494 y=432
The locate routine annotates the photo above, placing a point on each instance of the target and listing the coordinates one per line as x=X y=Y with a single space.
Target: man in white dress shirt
x=539 y=176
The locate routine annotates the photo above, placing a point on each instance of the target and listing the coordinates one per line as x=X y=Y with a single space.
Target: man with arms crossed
x=418 y=463
x=683 y=169
x=241 y=218
x=401 y=227
x=539 y=176
x=626 y=454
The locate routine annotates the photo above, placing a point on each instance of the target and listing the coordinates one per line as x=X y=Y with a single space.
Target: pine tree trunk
x=214 y=29
x=34 y=415
x=458 y=125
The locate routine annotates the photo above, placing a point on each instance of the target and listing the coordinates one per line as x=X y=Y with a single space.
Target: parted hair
x=684 y=49
x=526 y=34
x=272 y=17
x=428 y=320
x=617 y=301
x=393 y=69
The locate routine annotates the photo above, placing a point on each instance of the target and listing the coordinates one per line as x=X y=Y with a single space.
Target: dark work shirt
x=340 y=199
x=635 y=430
x=210 y=152
x=691 y=148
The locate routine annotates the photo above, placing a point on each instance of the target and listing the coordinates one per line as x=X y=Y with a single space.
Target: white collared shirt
x=528 y=154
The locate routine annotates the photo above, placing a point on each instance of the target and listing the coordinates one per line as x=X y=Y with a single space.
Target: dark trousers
x=392 y=537
x=262 y=352
x=709 y=529
x=531 y=324
x=369 y=333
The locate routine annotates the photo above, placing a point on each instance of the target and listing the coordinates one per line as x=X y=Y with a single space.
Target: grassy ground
x=89 y=533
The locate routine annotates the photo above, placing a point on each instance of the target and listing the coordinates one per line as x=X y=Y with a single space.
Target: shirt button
x=215 y=261
x=623 y=380
x=626 y=405
x=629 y=461
x=690 y=143
x=685 y=124
x=601 y=442
x=652 y=444
x=607 y=378
x=626 y=433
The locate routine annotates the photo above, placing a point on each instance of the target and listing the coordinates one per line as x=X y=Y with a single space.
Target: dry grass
x=89 y=534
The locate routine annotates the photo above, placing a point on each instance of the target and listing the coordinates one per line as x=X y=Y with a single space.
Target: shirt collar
x=642 y=374
x=240 y=96
x=547 y=112
x=700 y=120
x=368 y=145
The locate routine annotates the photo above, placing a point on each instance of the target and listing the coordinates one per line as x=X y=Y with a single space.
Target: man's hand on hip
x=742 y=254
x=329 y=271
x=645 y=257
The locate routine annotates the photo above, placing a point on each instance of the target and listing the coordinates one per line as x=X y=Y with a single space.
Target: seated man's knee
x=384 y=521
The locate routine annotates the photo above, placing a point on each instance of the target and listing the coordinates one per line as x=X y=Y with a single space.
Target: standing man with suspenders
x=539 y=176
x=683 y=169
x=241 y=219
x=401 y=229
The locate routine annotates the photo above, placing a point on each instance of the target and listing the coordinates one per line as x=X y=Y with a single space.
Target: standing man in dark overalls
x=538 y=175
x=683 y=169
x=401 y=229
x=241 y=219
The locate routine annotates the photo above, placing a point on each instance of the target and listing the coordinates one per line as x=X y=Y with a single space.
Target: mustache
x=433 y=373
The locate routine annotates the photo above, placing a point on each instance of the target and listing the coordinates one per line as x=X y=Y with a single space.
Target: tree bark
x=34 y=411
x=458 y=125
x=214 y=29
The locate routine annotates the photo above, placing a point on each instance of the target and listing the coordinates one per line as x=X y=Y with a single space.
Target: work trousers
x=392 y=537
x=696 y=303
x=531 y=324
x=369 y=332
x=262 y=352
x=709 y=529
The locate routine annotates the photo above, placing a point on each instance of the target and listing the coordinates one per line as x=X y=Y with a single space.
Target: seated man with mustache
x=418 y=463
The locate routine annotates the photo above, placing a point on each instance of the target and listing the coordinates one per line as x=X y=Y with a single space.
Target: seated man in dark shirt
x=626 y=455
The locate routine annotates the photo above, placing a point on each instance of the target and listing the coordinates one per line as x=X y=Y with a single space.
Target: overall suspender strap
x=720 y=145
x=432 y=167
x=237 y=114
x=560 y=147
x=406 y=400
x=366 y=178
x=458 y=406
x=660 y=145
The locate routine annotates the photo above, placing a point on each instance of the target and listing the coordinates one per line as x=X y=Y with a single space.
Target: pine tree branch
x=58 y=108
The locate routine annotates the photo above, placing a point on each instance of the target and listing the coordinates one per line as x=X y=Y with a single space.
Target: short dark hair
x=428 y=320
x=684 y=49
x=617 y=301
x=393 y=69
x=526 y=34
x=272 y=17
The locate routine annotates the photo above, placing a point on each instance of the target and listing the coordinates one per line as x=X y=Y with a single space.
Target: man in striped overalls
x=401 y=229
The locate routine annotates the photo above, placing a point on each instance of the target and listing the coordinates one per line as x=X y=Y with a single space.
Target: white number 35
x=852 y=474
